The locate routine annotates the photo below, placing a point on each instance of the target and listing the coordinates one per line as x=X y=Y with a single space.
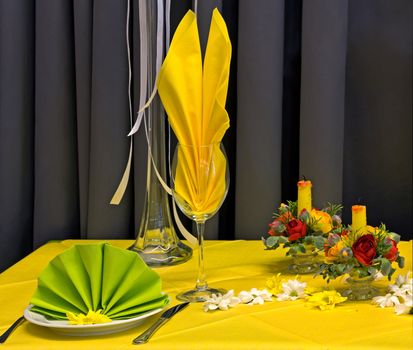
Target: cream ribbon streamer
x=117 y=197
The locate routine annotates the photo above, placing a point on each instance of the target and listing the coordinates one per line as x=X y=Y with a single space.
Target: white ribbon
x=143 y=33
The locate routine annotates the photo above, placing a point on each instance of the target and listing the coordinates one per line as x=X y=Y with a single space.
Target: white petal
x=402 y=309
x=229 y=294
x=258 y=300
x=234 y=301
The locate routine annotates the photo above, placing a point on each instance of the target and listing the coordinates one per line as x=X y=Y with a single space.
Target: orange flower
x=333 y=253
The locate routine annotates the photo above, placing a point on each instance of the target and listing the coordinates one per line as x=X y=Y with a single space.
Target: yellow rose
x=333 y=253
x=322 y=221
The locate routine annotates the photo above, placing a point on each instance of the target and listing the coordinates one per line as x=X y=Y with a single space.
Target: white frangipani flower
x=407 y=299
x=222 y=302
x=402 y=309
x=245 y=297
x=386 y=301
x=292 y=290
x=255 y=296
x=400 y=295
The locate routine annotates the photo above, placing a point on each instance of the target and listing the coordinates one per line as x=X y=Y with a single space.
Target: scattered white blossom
x=402 y=309
x=223 y=302
x=292 y=290
x=400 y=295
x=386 y=301
x=245 y=297
x=256 y=296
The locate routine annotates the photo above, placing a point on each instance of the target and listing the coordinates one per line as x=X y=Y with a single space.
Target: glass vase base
x=304 y=263
x=158 y=256
x=358 y=290
x=199 y=295
x=303 y=269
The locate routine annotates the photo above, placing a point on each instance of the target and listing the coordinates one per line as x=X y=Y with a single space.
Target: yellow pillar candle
x=359 y=217
x=304 y=196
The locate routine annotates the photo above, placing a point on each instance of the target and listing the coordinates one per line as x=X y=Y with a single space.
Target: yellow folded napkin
x=97 y=277
x=194 y=98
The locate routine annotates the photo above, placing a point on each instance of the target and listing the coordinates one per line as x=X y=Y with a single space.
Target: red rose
x=364 y=249
x=296 y=229
x=393 y=252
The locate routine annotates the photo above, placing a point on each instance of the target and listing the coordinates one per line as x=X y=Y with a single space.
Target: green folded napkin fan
x=97 y=277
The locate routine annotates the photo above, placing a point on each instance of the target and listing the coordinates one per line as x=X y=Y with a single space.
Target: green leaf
x=282 y=239
x=319 y=242
x=271 y=241
x=301 y=248
x=385 y=267
x=395 y=237
x=400 y=261
x=392 y=271
x=341 y=268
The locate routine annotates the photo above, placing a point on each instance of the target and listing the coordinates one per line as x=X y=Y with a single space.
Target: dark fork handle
x=6 y=334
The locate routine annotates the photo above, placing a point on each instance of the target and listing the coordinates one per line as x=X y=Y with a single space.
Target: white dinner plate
x=64 y=328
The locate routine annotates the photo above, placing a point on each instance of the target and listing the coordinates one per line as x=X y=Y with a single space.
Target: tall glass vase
x=156 y=241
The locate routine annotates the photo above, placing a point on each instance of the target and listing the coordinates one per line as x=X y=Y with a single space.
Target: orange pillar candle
x=304 y=196
x=359 y=217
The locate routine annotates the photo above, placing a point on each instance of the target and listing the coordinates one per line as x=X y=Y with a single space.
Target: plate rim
x=114 y=323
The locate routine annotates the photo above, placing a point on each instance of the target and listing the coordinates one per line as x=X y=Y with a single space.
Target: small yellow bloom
x=323 y=221
x=92 y=317
x=325 y=300
x=274 y=284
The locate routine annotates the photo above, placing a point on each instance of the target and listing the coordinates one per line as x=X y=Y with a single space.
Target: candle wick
x=304 y=178
x=359 y=200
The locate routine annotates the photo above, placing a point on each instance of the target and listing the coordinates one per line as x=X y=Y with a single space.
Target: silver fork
x=7 y=333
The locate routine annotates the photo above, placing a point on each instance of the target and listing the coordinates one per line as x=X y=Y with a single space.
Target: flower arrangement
x=363 y=252
x=299 y=231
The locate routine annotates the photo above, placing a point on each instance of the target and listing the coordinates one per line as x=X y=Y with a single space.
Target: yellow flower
x=334 y=252
x=322 y=221
x=274 y=284
x=92 y=317
x=325 y=300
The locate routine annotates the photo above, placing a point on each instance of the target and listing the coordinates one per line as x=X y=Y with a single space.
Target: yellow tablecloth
x=238 y=265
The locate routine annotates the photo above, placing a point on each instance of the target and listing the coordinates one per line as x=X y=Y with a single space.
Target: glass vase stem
x=201 y=283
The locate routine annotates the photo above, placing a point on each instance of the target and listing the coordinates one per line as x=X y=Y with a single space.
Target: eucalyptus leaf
x=385 y=267
x=318 y=242
x=271 y=241
x=395 y=237
x=400 y=261
x=282 y=239
x=392 y=271
x=301 y=248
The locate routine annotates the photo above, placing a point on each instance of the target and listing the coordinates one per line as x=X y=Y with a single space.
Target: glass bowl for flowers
x=363 y=255
x=302 y=235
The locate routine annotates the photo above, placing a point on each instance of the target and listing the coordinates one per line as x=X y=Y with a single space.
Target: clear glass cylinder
x=156 y=241
x=304 y=263
x=359 y=288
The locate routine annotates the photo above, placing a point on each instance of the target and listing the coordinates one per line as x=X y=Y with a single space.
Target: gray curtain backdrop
x=64 y=115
